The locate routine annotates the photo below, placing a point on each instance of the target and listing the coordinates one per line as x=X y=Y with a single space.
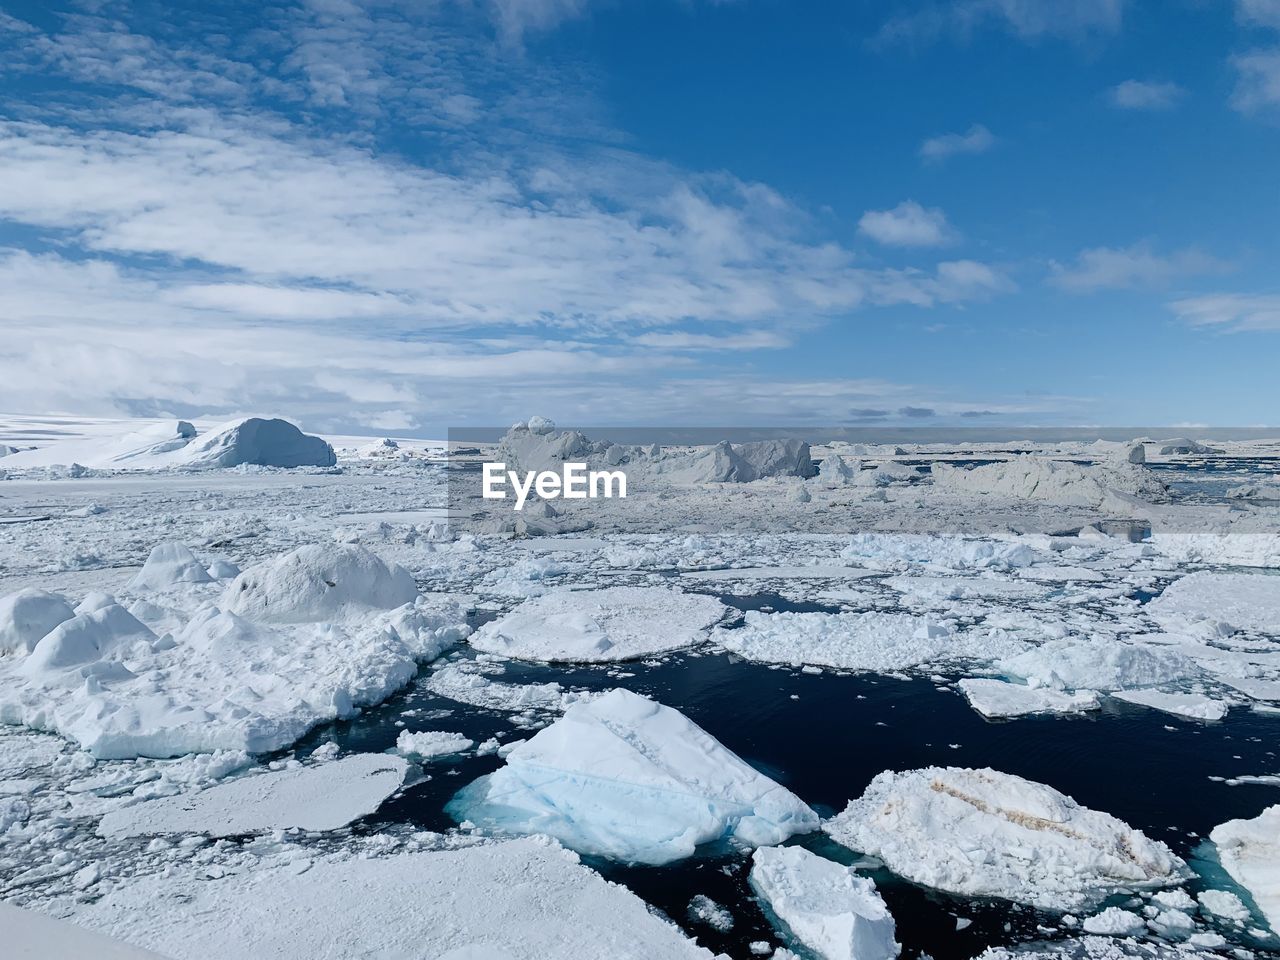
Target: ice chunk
x=954 y=553
x=518 y=900
x=1038 y=478
x=1193 y=705
x=1225 y=904
x=624 y=777
x=426 y=744
x=996 y=698
x=26 y=616
x=871 y=641
x=321 y=797
x=167 y=565
x=617 y=623
x=318 y=582
x=986 y=833
x=1238 y=601
x=1184 y=446
x=1114 y=922
x=827 y=907
x=835 y=470
x=466 y=686
x=1250 y=852
x=253 y=440
x=1098 y=663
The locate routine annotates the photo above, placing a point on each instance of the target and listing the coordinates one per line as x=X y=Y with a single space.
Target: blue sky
x=393 y=216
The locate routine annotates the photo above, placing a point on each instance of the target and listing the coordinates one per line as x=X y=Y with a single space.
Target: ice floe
x=616 y=623
x=1250 y=852
x=1221 y=602
x=1098 y=663
x=426 y=744
x=1192 y=705
x=1114 y=922
x=986 y=833
x=624 y=777
x=998 y=698
x=824 y=905
x=323 y=796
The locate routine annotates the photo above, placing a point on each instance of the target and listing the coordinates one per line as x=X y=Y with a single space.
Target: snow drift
x=986 y=833
x=624 y=777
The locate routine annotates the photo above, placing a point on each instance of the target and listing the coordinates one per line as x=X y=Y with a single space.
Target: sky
x=394 y=216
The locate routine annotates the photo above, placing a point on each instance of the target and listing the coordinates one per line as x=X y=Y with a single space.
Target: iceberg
x=617 y=623
x=253 y=440
x=985 y=833
x=324 y=796
x=1250 y=853
x=826 y=906
x=1051 y=481
x=627 y=778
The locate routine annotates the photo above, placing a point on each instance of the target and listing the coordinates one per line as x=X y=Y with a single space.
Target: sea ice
x=870 y=641
x=616 y=623
x=1038 y=478
x=29 y=935
x=426 y=744
x=1098 y=663
x=986 y=833
x=997 y=698
x=1114 y=922
x=624 y=777
x=1250 y=852
x=324 y=796
x=26 y=616
x=946 y=553
x=1193 y=705
x=826 y=906
x=514 y=900
x=1236 y=601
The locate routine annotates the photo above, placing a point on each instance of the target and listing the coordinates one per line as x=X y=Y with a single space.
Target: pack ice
x=1221 y=603
x=1039 y=478
x=1250 y=852
x=986 y=833
x=617 y=623
x=308 y=636
x=624 y=777
x=826 y=906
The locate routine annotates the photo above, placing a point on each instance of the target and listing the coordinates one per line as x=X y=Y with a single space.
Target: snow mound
x=266 y=443
x=1224 y=602
x=168 y=564
x=425 y=744
x=827 y=907
x=519 y=899
x=986 y=833
x=318 y=582
x=1098 y=663
x=1051 y=481
x=1250 y=852
x=85 y=638
x=872 y=641
x=617 y=623
x=26 y=616
x=624 y=777
x=321 y=797
x=996 y=698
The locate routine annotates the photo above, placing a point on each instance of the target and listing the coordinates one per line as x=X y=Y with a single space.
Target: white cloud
x=977 y=139
x=1257 y=81
x=680 y=340
x=1233 y=312
x=1117 y=268
x=1026 y=19
x=1145 y=95
x=1262 y=13
x=907 y=225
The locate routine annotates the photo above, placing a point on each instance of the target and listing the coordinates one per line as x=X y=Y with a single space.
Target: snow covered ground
x=243 y=690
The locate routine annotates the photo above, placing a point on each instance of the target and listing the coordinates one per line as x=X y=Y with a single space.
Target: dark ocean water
x=825 y=736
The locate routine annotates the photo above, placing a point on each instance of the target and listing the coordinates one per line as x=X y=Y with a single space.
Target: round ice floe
x=617 y=623
x=168 y=565
x=986 y=833
x=28 y=615
x=318 y=582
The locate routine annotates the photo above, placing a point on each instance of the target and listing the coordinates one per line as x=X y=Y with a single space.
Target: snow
x=1038 y=478
x=617 y=623
x=29 y=935
x=517 y=900
x=27 y=615
x=997 y=698
x=1250 y=852
x=624 y=777
x=1192 y=705
x=1225 y=904
x=458 y=683
x=870 y=641
x=946 y=553
x=1114 y=922
x=426 y=744
x=985 y=833
x=318 y=582
x=826 y=906
x=1098 y=663
x=325 y=796
x=169 y=564
x=1226 y=602
x=221 y=680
